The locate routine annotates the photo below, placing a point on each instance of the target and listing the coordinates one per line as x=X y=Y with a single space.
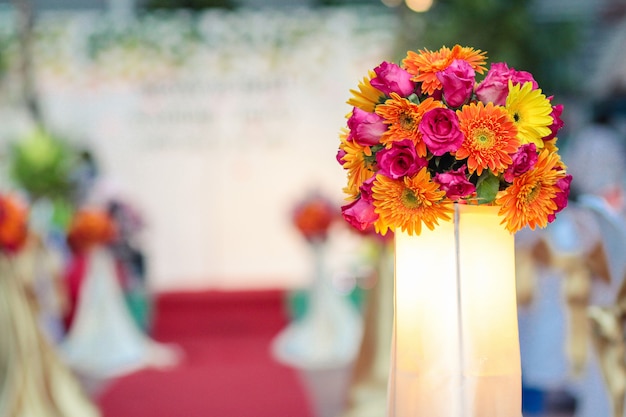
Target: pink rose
x=365 y=128
x=391 y=78
x=400 y=160
x=440 y=131
x=457 y=81
x=437 y=95
x=366 y=189
x=557 y=123
x=523 y=160
x=561 y=198
x=360 y=214
x=455 y=183
x=522 y=77
x=340 y=154
x=495 y=87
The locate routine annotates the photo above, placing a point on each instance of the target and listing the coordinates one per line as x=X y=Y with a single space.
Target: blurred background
x=203 y=128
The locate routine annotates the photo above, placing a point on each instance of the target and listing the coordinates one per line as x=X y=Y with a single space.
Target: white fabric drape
x=103 y=340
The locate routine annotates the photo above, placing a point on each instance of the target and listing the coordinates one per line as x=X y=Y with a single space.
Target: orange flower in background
x=314 y=216
x=529 y=200
x=409 y=202
x=425 y=64
x=13 y=224
x=403 y=118
x=490 y=137
x=89 y=228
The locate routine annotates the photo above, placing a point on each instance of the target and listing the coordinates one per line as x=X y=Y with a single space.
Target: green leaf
x=413 y=98
x=487 y=187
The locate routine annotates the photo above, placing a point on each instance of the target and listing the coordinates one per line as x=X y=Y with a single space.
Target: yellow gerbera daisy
x=403 y=118
x=425 y=64
x=529 y=200
x=408 y=203
x=490 y=137
x=530 y=109
x=358 y=161
x=366 y=97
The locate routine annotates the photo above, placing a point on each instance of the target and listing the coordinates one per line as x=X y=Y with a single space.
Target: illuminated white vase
x=455 y=348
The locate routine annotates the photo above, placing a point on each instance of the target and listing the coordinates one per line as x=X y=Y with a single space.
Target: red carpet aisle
x=227 y=371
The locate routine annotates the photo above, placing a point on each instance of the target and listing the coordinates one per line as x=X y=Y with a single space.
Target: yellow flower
x=550 y=145
x=530 y=110
x=529 y=199
x=425 y=65
x=358 y=161
x=490 y=137
x=408 y=203
x=366 y=97
x=403 y=118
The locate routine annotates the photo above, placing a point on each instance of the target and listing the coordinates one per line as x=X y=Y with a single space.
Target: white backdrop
x=215 y=139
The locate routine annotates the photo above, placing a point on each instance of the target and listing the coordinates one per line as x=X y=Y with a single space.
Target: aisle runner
x=228 y=371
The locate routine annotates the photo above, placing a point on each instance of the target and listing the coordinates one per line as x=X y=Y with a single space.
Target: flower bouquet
x=90 y=228
x=313 y=216
x=428 y=133
x=13 y=224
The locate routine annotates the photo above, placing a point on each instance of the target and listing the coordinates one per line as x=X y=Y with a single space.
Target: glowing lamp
x=455 y=348
x=419 y=6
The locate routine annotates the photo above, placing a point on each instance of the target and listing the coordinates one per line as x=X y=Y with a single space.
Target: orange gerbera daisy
x=366 y=97
x=359 y=162
x=408 y=203
x=529 y=200
x=490 y=137
x=426 y=64
x=403 y=118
